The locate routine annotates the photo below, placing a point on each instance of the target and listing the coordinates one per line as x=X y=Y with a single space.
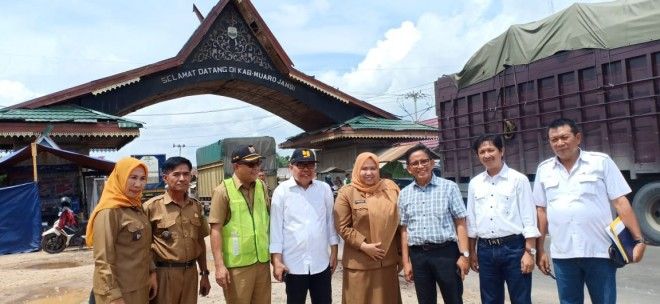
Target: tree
x=282 y=161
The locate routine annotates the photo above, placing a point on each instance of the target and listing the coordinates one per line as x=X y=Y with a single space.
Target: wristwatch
x=465 y=254
x=204 y=272
x=531 y=251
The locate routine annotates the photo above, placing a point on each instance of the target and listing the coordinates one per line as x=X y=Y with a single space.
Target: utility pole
x=179 y=146
x=415 y=95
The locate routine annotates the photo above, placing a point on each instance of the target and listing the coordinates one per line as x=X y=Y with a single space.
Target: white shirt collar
x=504 y=173
x=582 y=157
x=291 y=182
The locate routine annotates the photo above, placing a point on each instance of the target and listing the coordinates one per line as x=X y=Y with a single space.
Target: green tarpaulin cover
x=602 y=26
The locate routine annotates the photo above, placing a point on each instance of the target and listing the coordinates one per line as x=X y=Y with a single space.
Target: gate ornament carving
x=232 y=40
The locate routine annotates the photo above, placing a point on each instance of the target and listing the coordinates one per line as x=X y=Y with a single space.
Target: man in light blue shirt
x=434 y=238
x=303 y=240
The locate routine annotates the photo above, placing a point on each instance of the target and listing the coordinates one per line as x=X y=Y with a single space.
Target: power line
x=310 y=70
x=191 y=113
x=217 y=123
x=214 y=135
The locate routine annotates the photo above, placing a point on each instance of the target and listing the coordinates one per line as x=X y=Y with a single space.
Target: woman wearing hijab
x=121 y=235
x=367 y=218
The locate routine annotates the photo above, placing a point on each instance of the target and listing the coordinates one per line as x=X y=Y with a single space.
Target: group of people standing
x=150 y=251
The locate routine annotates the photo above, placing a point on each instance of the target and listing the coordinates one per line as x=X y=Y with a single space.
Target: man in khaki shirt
x=179 y=229
x=248 y=284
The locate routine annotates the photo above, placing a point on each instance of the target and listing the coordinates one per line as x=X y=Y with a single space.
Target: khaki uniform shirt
x=220 y=213
x=186 y=226
x=122 y=240
x=368 y=218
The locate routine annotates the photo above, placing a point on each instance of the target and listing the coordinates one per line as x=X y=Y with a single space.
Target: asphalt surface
x=39 y=277
x=636 y=283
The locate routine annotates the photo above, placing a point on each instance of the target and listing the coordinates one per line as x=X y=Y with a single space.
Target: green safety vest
x=245 y=236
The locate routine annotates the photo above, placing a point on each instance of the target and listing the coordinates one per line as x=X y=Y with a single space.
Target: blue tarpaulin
x=20 y=219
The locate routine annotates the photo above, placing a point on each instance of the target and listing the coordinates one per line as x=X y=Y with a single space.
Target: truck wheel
x=647 y=209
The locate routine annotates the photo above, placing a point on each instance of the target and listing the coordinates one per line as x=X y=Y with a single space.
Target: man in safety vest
x=239 y=231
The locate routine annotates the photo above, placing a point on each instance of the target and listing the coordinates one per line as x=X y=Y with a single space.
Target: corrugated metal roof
x=65 y=113
x=430 y=143
x=367 y=127
x=368 y=122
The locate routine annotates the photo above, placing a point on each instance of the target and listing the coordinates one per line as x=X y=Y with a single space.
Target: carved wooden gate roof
x=233 y=54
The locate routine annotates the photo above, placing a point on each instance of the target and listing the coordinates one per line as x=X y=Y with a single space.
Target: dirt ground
x=40 y=277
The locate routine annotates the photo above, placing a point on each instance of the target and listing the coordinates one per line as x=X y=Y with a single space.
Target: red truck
x=613 y=94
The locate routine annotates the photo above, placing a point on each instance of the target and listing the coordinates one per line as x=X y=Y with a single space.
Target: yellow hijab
x=113 y=195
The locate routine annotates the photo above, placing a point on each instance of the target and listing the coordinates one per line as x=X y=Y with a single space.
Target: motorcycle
x=55 y=240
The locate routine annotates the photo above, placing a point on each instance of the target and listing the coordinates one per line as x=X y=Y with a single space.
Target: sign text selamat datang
x=226 y=69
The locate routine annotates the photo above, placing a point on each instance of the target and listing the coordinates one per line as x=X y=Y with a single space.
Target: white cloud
x=12 y=92
x=413 y=55
x=406 y=45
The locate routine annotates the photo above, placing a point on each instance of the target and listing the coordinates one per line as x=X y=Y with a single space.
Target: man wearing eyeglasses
x=434 y=242
x=301 y=232
x=239 y=231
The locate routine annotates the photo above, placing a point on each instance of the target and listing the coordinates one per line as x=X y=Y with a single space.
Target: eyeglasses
x=305 y=165
x=420 y=163
x=251 y=165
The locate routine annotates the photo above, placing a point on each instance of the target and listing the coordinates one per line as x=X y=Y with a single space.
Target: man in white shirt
x=573 y=192
x=303 y=240
x=501 y=218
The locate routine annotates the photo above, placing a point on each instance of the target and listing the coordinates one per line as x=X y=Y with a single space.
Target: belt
x=188 y=264
x=501 y=241
x=432 y=246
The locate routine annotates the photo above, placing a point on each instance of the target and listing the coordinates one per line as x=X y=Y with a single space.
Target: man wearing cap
x=179 y=229
x=239 y=231
x=301 y=231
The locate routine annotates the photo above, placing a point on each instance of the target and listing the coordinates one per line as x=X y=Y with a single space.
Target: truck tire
x=647 y=209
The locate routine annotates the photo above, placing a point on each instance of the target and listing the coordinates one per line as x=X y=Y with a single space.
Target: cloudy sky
x=375 y=50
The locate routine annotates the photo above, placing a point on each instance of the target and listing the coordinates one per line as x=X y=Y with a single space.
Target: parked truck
x=214 y=163
x=613 y=93
x=155 y=183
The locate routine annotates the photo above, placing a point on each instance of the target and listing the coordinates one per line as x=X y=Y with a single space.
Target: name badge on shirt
x=359 y=202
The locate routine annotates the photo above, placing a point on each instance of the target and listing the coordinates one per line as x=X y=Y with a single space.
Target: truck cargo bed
x=612 y=94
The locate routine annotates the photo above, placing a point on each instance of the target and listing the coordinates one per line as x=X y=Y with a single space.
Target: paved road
x=636 y=283
x=40 y=278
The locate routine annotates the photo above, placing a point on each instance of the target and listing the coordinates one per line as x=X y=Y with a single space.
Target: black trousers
x=318 y=285
x=436 y=264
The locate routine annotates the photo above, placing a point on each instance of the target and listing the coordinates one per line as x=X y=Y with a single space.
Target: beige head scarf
x=383 y=213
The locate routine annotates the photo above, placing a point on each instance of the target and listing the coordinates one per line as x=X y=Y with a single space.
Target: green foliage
x=394 y=169
x=282 y=161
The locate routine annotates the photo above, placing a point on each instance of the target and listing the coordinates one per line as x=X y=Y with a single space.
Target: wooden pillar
x=33 y=148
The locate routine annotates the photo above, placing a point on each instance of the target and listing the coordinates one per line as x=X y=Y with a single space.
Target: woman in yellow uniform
x=367 y=218
x=121 y=235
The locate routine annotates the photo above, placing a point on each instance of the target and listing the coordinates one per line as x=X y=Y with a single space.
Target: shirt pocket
x=135 y=232
x=360 y=212
x=164 y=229
x=506 y=193
x=551 y=188
x=479 y=196
x=587 y=184
x=195 y=224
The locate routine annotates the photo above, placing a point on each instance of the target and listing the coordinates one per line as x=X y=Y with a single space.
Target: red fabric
x=67 y=219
